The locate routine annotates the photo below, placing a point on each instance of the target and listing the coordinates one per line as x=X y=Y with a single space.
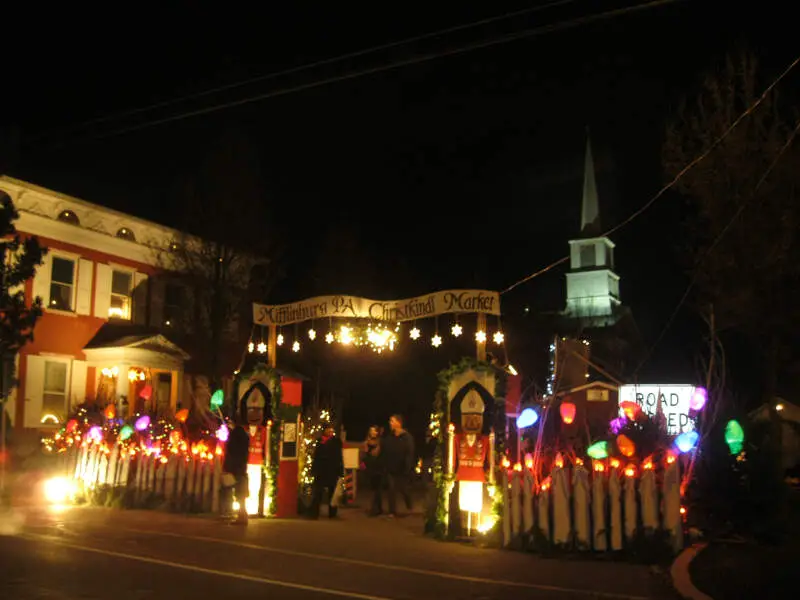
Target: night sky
x=461 y=171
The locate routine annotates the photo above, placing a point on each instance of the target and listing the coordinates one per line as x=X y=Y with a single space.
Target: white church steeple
x=592 y=284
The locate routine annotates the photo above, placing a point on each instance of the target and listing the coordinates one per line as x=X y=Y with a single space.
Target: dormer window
x=126 y=234
x=67 y=216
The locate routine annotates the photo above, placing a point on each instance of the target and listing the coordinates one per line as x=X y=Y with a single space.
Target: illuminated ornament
x=125 y=432
x=498 y=337
x=142 y=423
x=698 y=399
x=262 y=348
x=329 y=337
x=346 y=335
x=436 y=341
x=279 y=340
x=147 y=392
x=617 y=424
x=414 y=333
x=95 y=434
x=626 y=446
x=598 y=450
x=250 y=347
x=182 y=415
x=527 y=418
x=296 y=346
x=110 y=412
x=734 y=436
x=312 y=335
x=686 y=441
x=222 y=433
x=480 y=337
x=175 y=437
x=567 y=411
x=72 y=425
x=381 y=338
x=630 y=409
x=217 y=399
x=456 y=330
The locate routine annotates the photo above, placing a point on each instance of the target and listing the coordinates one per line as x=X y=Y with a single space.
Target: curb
x=680 y=574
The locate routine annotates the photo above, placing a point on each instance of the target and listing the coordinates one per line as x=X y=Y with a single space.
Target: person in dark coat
x=237 y=450
x=327 y=467
x=373 y=465
x=398 y=460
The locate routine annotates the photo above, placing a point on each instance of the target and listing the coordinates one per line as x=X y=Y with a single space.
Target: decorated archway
x=380 y=326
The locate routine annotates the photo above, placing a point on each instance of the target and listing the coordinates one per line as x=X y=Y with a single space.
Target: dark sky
x=464 y=170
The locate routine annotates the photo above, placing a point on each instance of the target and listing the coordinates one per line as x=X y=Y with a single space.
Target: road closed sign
x=675 y=402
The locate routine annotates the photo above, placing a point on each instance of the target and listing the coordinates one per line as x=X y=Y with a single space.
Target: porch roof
x=142 y=349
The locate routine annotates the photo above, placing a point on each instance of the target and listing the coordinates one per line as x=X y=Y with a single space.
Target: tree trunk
x=770 y=390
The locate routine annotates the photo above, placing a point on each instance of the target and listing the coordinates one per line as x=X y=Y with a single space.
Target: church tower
x=592 y=285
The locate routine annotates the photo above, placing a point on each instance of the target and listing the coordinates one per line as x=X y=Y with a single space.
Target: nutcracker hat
x=472 y=404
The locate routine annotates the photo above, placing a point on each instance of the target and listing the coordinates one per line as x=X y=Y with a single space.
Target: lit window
x=62 y=284
x=126 y=234
x=121 y=286
x=54 y=395
x=67 y=216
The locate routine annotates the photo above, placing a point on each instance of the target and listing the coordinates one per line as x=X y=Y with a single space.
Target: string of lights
x=418 y=59
x=693 y=163
x=696 y=272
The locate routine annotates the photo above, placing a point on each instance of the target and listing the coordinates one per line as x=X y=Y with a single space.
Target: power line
x=677 y=177
x=308 y=66
x=715 y=243
x=395 y=65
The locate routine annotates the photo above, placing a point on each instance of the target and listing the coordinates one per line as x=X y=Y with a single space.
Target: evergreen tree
x=20 y=260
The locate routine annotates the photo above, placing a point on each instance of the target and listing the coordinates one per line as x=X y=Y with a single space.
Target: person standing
x=398 y=455
x=327 y=467
x=237 y=452
x=373 y=464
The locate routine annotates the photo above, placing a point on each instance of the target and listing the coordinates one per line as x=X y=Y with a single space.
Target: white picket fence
x=598 y=511
x=187 y=484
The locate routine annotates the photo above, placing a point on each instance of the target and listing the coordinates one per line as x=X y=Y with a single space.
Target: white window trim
x=74 y=258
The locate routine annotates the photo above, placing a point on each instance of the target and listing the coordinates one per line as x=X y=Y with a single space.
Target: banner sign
x=351 y=307
x=673 y=401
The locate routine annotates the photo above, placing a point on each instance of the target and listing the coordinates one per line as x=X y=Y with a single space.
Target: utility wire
x=308 y=66
x=543 y=29
x=715 y=243
x=677 y=177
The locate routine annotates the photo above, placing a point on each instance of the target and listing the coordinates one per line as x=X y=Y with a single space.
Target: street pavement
x=85 y=552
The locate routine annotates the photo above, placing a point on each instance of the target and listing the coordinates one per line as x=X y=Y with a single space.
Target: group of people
x=388 y=461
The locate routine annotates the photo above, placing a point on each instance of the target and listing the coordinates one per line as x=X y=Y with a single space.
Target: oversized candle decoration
x=630 y=502
x=527 y=507
x=649 y=497
x=672 y=503
x=516 y=508
x=451 y=449
x=580 y=487
x=614 y=493
x=561 y=520
x=543 y=508
x=491 y=458
x=600 y=529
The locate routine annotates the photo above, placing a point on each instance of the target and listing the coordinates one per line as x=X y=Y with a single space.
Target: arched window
x=67 y=216
x=126 y=234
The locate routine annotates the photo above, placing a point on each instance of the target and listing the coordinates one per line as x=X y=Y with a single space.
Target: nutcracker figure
x=471 y=451
x=254 y=408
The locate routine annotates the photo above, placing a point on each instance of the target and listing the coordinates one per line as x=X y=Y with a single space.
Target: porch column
x=175 y=388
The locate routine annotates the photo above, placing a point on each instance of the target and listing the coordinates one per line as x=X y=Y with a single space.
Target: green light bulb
x=598 y=450
x=734 y=436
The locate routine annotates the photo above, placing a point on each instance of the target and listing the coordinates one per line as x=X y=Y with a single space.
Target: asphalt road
x=83 y=553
